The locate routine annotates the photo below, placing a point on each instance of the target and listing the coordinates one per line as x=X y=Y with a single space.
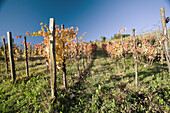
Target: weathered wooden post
x=123 y=54
x=158 y=38
x=26 y=56
x=86 y=54
x=135 y=57
x=166 y=40
x=6 y=58
x=82 y=57
x=52 y=59
x=11 y=56
x=117 y=63
x=63 y=64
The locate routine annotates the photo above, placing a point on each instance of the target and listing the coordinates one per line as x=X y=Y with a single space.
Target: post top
x=8 y=32
x=62 y=26
x=163 y=8
x=51 y=18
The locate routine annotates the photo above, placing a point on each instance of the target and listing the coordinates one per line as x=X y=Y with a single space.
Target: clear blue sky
x=96 y=17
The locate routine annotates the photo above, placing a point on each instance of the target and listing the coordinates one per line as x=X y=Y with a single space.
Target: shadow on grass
x=75 y=94
x=101 y=53
x=88 y=68
x=152 y=71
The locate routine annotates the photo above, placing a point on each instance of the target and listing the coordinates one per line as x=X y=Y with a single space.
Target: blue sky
x=96 y=17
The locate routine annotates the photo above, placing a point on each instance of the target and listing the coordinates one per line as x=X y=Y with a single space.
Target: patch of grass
x=101 y=88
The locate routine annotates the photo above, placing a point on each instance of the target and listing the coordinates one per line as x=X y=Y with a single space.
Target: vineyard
x=65 y=74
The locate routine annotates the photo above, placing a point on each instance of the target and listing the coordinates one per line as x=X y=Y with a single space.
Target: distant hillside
x=155 y=33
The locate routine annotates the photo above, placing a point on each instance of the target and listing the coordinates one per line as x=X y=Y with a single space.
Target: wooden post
x=26 y=56
x=64 y=65
x=11 y=56
x=117 y=63
x=37 y=50
x=158 y=38
x=52 y=59
x=6 y=58
x=33 y=51
x=83 y=57
x=123 y=54
x=166 y=40
x=135 y=57
x=86 y=54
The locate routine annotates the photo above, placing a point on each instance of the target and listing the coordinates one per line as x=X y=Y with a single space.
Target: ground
x=102 y=88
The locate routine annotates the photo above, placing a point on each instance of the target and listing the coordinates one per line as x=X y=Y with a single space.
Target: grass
x=101 y=89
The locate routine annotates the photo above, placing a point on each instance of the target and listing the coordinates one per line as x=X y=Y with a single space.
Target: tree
x=112 y=38
x=103 y=38
x=119 y=36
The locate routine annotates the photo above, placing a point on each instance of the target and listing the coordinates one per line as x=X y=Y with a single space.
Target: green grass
x=101 y=89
